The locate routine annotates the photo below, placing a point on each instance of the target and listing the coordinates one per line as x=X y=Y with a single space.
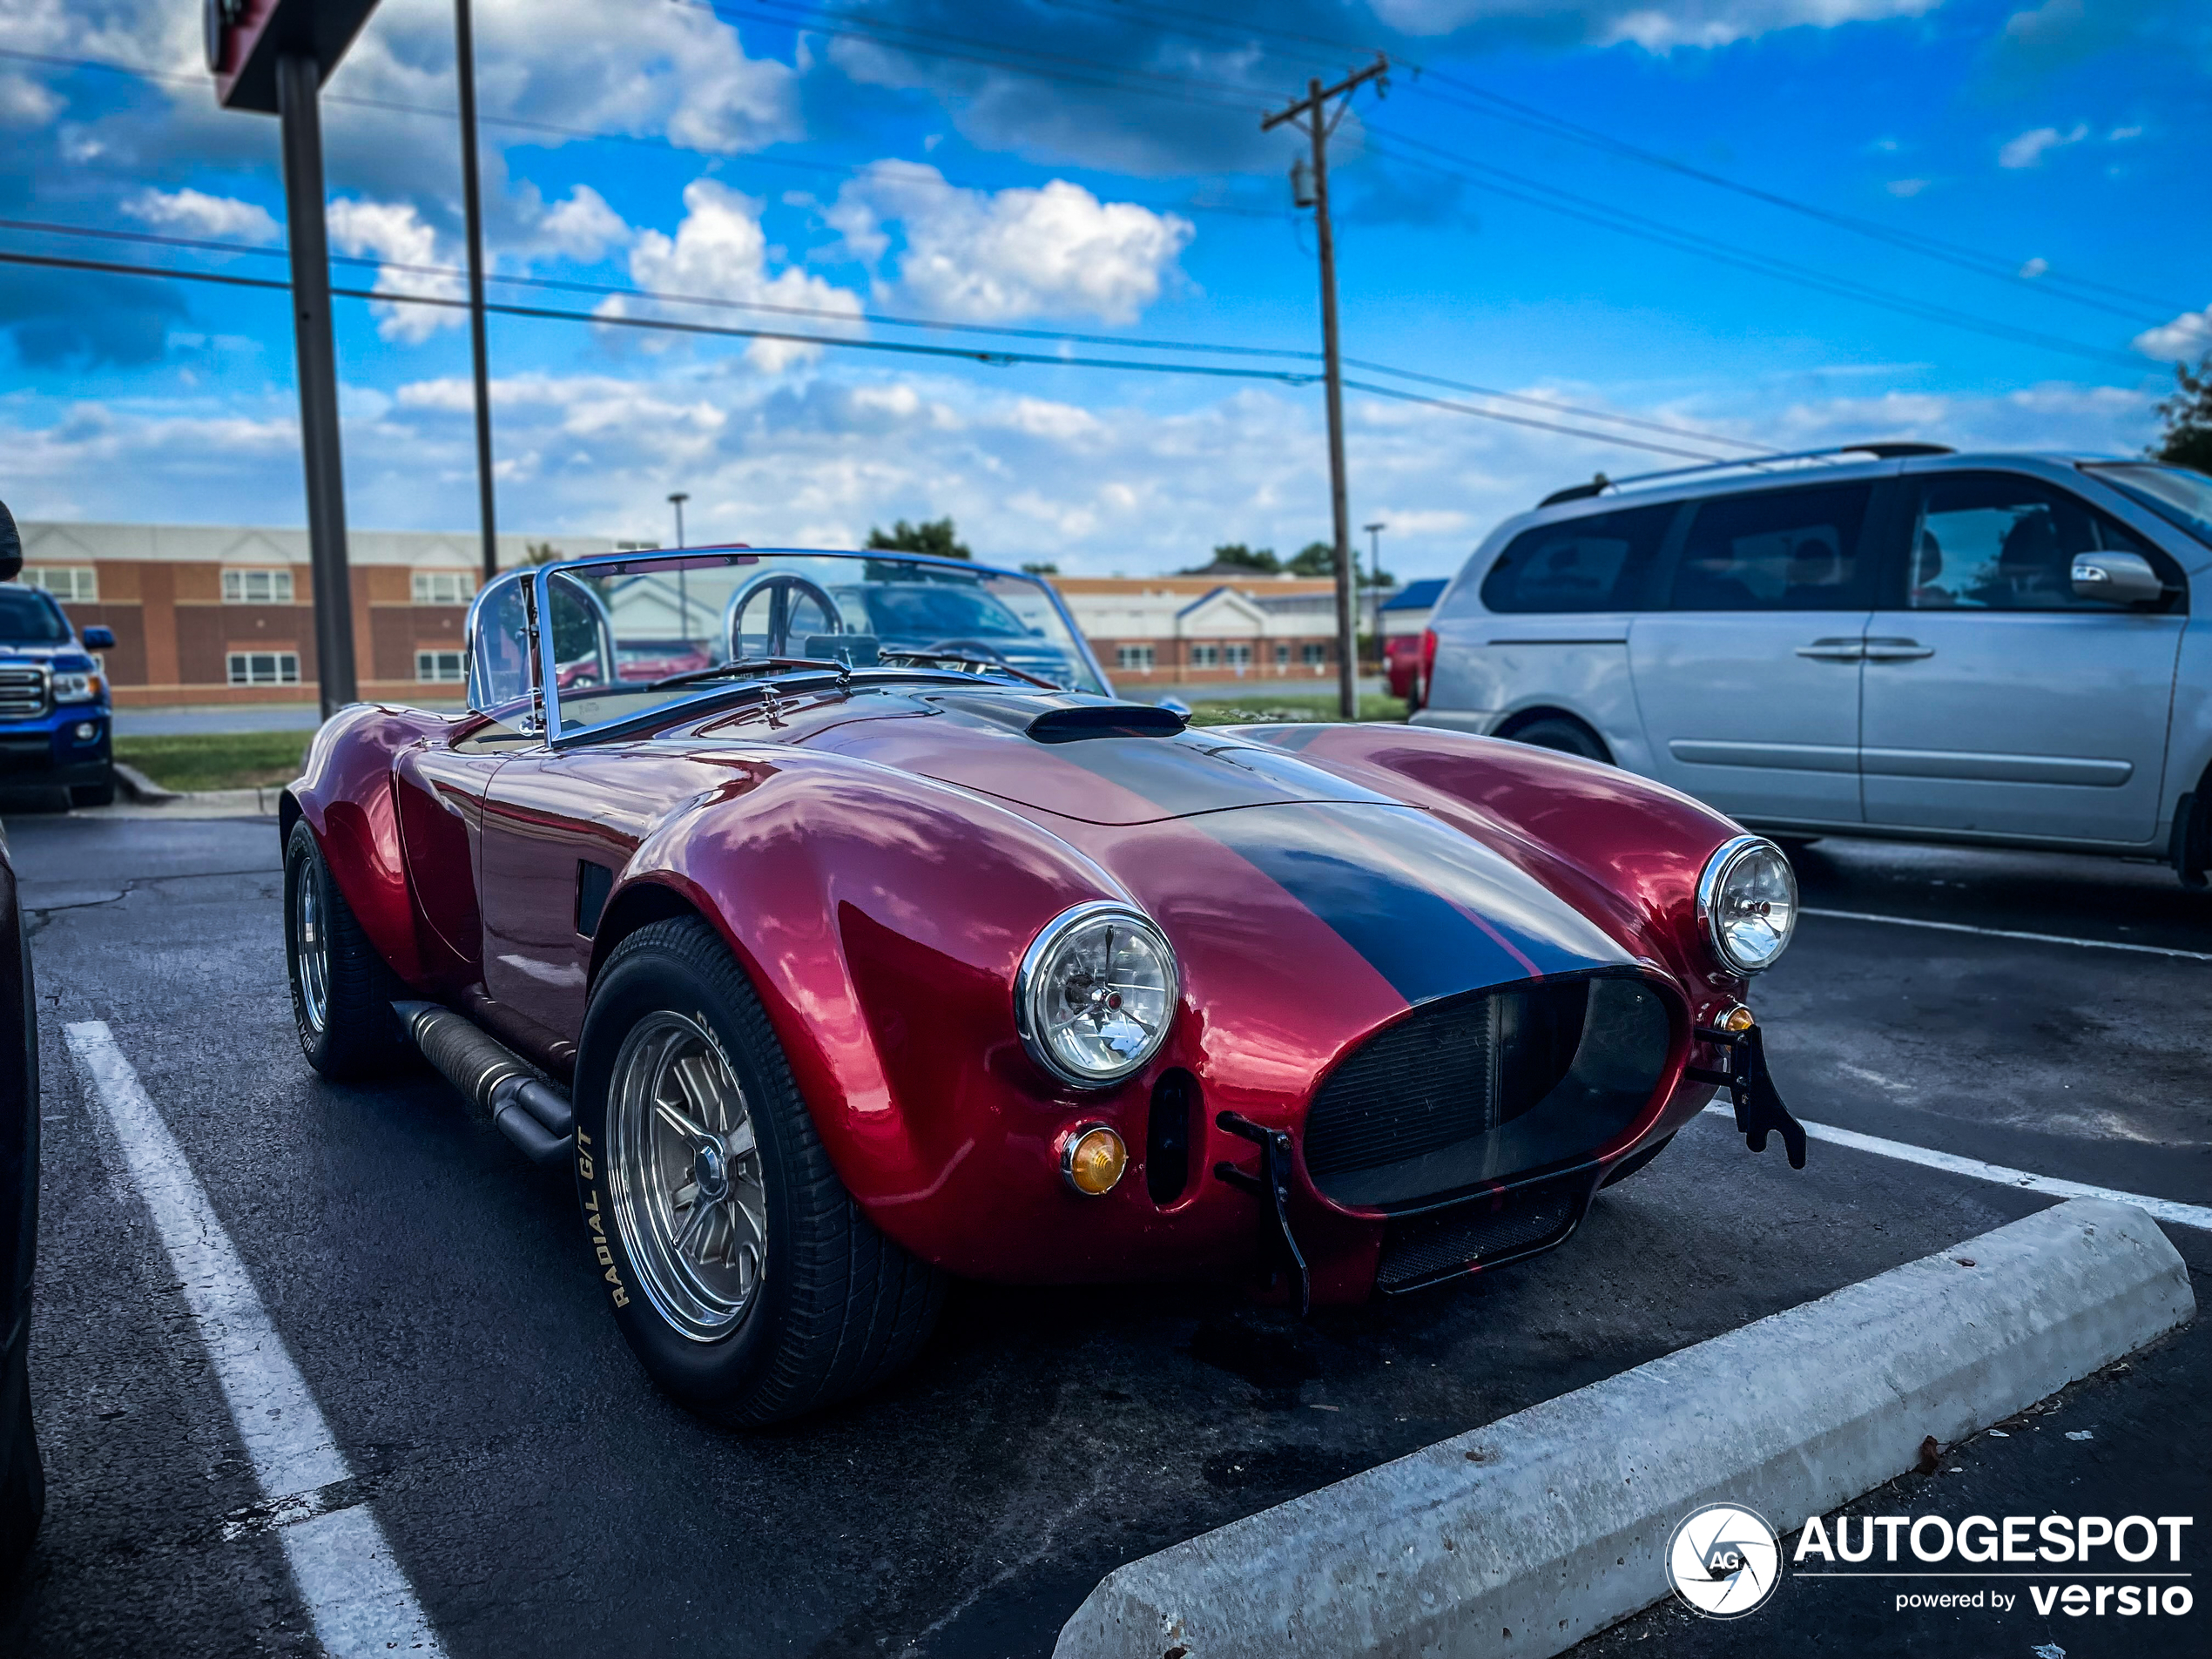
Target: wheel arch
x=1520 y=719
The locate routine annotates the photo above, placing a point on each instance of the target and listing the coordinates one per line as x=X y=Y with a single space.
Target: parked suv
x=54 y=715
x=1889 y=639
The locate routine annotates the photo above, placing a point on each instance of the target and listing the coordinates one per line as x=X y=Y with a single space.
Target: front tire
x=100 y=795
x=341 y=990
x=741 y=1271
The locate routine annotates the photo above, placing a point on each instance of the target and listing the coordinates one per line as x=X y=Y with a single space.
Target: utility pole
x=1313 y=117
x=465 y=43
x=677 y=501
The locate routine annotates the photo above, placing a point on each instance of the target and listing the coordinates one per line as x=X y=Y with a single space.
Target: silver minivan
x=1889 y=639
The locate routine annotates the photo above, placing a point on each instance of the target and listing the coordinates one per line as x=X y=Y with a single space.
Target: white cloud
x=395 y=234
x=982 y=257
x=2121 y=135
x=2186 y=335
x=1722 y=23
x=718 y=251
x=1907 y=186
x=2027 y=150
x=2035 y=267
x=25 y=103
x=192 y=213
x=583 y=227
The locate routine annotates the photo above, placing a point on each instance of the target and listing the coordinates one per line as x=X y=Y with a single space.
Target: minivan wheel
x=1568 y=737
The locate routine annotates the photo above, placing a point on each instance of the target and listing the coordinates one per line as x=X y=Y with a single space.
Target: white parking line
x=2165 y=1209
x=359 y=1600
x=2012 y=933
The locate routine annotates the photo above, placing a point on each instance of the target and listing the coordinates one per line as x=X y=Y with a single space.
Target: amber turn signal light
x=1092 y=1159
x=1737 y=1019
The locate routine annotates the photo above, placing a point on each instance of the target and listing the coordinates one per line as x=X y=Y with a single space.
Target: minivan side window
x=1594 y=564
x=1775 y=549
x=1994 y=541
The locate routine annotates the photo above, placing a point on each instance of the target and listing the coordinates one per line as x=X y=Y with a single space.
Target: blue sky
x=1096 y=166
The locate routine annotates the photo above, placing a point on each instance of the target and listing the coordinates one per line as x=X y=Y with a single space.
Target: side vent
x=593 y=883
x=1167 y=1136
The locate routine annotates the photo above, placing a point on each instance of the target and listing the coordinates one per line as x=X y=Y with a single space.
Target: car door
x=1995 y=699
x=1747 y=679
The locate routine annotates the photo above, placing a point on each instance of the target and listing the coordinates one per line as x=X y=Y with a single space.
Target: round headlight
x=1747 y=902
x=1095 y=994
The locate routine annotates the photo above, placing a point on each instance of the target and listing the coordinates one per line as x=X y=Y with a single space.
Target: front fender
x=345 y=794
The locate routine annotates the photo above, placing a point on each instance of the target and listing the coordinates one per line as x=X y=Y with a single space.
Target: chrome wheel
x=311 y=948
x=683 y=1175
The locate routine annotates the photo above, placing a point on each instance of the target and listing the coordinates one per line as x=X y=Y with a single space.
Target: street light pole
x=1317 y=125
x=1375 y=577
x=677 y=501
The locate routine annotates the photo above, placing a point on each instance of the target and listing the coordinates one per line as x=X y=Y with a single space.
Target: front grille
x=1481 y=1088
x=23 y=693
x=1419 y=1250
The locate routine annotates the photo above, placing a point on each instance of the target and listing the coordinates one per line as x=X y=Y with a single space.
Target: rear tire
x=23 y=1492
x=341 y=990
x=741 y=1272
x=1567 y=736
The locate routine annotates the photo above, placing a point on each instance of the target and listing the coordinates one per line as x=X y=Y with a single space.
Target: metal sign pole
x=298 y=80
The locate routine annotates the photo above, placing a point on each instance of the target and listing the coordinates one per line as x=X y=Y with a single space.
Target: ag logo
x=1724 y=1560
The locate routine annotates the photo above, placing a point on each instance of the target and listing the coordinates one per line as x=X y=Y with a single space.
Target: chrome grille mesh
x=22 y=691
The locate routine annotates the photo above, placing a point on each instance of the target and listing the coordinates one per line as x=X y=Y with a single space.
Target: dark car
x=23 y=1480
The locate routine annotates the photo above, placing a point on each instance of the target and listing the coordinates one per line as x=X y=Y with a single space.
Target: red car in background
x=854 y=959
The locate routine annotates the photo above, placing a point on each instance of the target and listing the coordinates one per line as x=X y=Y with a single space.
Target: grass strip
x=197 y=760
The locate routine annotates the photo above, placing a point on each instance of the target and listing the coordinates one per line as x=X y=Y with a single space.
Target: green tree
x=934 y=536
x=541 y=553
x=2187 y=440
x=1315 y=558
x=1261 y=561
x=1046 y=568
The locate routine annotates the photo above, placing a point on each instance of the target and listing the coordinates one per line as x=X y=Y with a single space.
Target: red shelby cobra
x=888 y=945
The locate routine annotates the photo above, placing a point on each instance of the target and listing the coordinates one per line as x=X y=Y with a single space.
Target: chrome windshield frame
x=546 y=693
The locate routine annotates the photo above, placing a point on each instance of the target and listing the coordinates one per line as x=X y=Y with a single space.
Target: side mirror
x=10 y=546
x=99 y=638
x=2116 y=579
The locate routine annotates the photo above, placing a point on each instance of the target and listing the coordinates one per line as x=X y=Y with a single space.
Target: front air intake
x=1485 y=1087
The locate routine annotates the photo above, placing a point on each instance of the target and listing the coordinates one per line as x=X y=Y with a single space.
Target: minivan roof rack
x=1884 y=451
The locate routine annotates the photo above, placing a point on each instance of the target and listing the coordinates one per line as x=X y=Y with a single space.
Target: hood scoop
x=1067 y=717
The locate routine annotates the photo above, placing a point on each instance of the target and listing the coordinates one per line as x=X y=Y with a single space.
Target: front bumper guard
x=1759 y=1110
x=1273 y=1188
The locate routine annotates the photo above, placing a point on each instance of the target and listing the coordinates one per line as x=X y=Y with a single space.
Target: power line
x=1552 y=197
x=996 y=358
x=1404 y=396
x=211 y=245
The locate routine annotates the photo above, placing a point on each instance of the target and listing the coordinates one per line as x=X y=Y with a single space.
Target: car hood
x=1084 y=758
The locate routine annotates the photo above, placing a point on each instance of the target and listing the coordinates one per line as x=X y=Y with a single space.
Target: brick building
x=211 y=614
x=215 y=613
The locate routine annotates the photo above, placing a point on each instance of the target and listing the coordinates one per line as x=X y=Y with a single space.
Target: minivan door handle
x=1834 y=650
x=1896 y=651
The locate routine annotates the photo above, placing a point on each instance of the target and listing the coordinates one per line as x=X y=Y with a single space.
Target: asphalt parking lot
x=434 y=1293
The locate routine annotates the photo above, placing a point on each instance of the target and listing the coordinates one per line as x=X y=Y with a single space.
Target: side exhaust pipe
x=530 y=1111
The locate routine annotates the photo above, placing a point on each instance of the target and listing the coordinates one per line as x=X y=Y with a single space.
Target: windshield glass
x=650 y=631
x=2176 y=494
x=29 y=618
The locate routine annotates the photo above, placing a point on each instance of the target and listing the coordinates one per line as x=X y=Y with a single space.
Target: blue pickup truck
x=55 y=724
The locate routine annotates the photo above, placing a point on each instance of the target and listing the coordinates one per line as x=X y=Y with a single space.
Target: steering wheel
x=976 y=650
x=781 y=587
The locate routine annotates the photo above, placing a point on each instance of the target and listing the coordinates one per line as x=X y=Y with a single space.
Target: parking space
x=434 y=1292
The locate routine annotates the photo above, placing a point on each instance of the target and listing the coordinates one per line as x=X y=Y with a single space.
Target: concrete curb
x=140 y=787
x=1553 y=1523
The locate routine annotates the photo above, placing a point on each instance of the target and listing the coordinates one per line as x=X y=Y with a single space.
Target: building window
x=257 y=587
x=265 y=667
x=438 y=667
x=1238 y=655
x=443 y=588
x=1282 y=656
x=1137 y=658
x=77 y=584
x=1205 y=656
x=1313 y=656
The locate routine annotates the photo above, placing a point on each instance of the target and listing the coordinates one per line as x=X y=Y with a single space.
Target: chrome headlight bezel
x=1032 y=978
x=77 y=685
x=1712 y=888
